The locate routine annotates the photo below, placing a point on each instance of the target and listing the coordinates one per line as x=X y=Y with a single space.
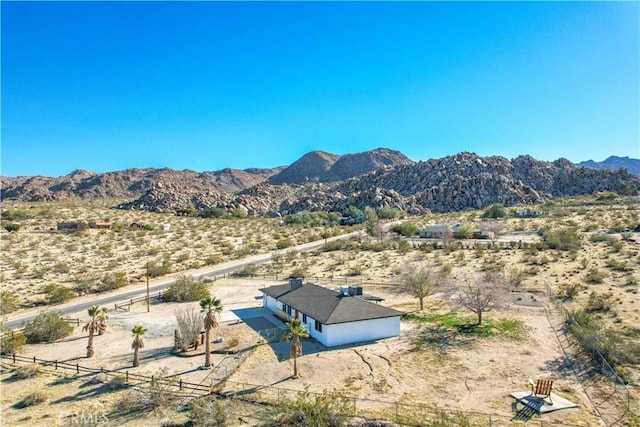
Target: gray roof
x=328 y=306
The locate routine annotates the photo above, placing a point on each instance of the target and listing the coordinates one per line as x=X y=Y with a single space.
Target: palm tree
x=93 y=326
x=137 y=344
x=211 y=306
x=102 y=318
x=296 y=331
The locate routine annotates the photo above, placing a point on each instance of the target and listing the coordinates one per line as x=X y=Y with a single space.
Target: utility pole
x=148 y=308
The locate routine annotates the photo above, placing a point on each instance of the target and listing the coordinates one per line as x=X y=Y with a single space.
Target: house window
x=304 y=318
x=285 y=308
x=318 y=326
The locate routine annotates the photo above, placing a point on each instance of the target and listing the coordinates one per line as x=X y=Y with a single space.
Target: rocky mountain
x=615 y=163
x=463 y=181
x=130 y=183
x=375 y=179
x=319 y=166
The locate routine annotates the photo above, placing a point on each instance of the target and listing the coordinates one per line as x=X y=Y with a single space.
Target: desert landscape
x=438 y=362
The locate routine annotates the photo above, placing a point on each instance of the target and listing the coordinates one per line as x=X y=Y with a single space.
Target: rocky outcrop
x=459 y=182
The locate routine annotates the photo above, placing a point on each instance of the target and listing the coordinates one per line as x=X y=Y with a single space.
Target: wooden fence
x=180 y=387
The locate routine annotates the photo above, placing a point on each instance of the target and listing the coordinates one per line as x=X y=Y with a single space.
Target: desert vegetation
x=586 y=251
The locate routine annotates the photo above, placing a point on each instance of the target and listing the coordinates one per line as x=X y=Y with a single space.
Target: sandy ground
x=470 y=374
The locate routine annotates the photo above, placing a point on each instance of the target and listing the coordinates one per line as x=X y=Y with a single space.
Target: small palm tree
x=138 y=343
x=102 y=319
x=94 y=326
x=296 y=331
x=211 y=306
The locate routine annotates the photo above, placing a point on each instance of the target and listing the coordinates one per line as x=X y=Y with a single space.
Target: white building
x=331 y=317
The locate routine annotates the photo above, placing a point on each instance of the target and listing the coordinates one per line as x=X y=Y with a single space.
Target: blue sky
x=107 y=86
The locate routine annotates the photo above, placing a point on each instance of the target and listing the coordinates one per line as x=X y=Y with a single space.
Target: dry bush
x=34 y=398
x=28 y=371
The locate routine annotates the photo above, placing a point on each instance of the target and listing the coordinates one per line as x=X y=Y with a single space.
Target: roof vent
x=355 y=291
x=344 y=291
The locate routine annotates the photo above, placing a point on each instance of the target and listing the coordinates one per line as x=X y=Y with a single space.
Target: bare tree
x=486 y=293
x=189 y=327
x=420 y=281
x=493 y=229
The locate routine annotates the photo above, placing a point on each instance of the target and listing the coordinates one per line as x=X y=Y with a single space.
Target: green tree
x=93 y=326
x=406 y=229
x=212 y=307
x=295 y=331
x=464 y=231
x=47 y=327
x=371 y=222
x=57 y=294
x=495 y=211
x=137 y=344
x=186 y=289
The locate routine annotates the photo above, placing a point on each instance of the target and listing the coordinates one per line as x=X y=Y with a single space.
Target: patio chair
x=541 y=388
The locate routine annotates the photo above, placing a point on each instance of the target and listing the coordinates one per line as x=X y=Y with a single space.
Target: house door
x=297 y=314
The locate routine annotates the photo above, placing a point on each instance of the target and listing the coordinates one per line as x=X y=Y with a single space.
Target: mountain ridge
x=324 y=181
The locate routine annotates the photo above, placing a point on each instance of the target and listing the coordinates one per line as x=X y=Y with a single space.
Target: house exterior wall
x=343 y=333
x=364 y=330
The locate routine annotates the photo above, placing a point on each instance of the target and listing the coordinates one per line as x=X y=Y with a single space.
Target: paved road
x=107 y=300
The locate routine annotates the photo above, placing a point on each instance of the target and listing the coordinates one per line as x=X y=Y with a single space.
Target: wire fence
x=613 y=399
x=371 y=409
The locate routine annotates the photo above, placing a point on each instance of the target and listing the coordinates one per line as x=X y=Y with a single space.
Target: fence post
x=126 y=377
x=34 y=359
x=102 y=369
x=14 y=358
x=56 y=364
x=180 y=384
x=77 y=368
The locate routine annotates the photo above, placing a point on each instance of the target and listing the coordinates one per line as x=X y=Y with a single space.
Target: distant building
x=331 y=317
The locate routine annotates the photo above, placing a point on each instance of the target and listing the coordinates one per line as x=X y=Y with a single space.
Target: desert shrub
x=239 y=213
x=155 y=395
x=495 y=211
x=34 y=398
x=335 y=245
x=11 y=226
x=156 y=269
x=8 y=302
x=331 y=410
x=387 y=212
x=186 y=289
x=597 y=303
x=312 y=219
x=47 y=327
x=12 y=342
x=112 y=281
x=298 y=272
x=57 y=294
x=516 y=276
x=406 y=229
x=212 y=213
x=616 y=265
x=211 y=412
x=28 y=371
x=569 y=290
x=594 y=276
x=600 y=237
x=14 y=214
x=404 y=246
x=565 y=239
x=213 y=259
x=355 y=270
x=284 y=243
x=247 y=270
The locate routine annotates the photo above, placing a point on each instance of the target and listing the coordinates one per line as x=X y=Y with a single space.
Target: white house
x=332 y=317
